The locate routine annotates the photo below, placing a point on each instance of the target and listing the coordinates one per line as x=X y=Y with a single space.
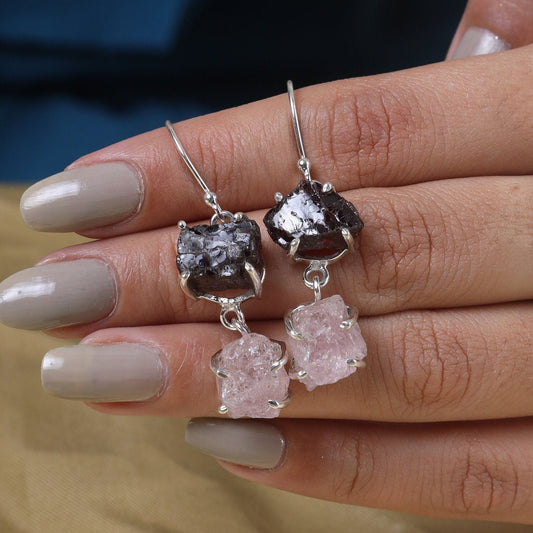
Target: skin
x=438 y=161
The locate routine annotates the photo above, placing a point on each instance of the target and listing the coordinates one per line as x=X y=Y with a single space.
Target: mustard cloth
x=66 y=468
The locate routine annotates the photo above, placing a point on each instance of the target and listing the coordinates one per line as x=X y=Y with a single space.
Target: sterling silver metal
x=303 y=163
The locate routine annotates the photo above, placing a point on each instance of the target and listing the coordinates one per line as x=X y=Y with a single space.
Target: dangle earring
x=315 y=224
x=215 y=261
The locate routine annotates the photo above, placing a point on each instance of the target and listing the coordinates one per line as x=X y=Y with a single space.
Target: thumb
x=491 y=26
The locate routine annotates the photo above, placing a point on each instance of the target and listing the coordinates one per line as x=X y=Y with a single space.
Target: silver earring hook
x=303 y=163
x=209 y=196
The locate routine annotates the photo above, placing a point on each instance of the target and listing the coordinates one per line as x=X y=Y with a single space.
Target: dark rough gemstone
x=215 y=255
x=316 y=218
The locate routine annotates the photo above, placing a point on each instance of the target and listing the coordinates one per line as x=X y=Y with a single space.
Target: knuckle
x=399 y=256
x=484 y=482
x=220 y=148
x=354 y=467
x=362 y=129
x=433 y=370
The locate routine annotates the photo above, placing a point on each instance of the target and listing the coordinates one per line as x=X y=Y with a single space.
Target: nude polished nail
x=244 y=442
x=58 y=294
x=83 y=198
x=479 y=41
x=118 y=372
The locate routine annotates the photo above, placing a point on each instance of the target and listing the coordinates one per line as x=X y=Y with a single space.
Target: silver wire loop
x=210 y=198
x=236 y=323
x=316 y=276
x=303 y=162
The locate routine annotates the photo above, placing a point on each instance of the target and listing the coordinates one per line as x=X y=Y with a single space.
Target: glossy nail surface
x=246 y=442
x=57 y=294
x=479 y=41
x=120 y=372
x=83 y=198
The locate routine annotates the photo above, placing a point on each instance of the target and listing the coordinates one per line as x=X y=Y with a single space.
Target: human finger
x=478 y=470
x=422 y=366
x=490 y=26
x=424 y=246
x=436 y=121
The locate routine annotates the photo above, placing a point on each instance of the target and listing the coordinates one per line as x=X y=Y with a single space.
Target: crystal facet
x=215 y=255
x=251 y=382
x=326 y=346
x=316 y=218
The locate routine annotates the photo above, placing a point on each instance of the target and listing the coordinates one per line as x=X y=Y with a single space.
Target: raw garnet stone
x=215 y=255
x=316 y=218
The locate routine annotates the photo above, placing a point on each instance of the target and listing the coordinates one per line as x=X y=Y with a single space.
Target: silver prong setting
x=280 y=405
x=351 y=320
x=182 y=224
x=348 y=238
x=289 y=326
x=281 y=362
x=237 y=217
x=223 y=410
x=256 y=278
x=355 y=363
x=278 y=197
x=293 y=250
x=302 y=374
x=328 y=187
x=184 y=284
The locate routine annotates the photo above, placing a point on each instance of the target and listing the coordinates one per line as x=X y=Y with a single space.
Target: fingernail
x=83 y=198
x=119 y=372
x=57 y=294
x=479 y=41
x=244 y=442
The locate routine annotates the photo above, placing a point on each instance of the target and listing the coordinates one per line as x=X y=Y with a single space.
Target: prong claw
x=348 y=238
x=238 y=216
x=279 y=405
x=278 y=197
x=257 y=280
x=221 y=374
x=223 y=410
x=302 y=374
x=295 y=243
x=280 y=363
x=355 y=362
x=182 y=224
x=328 y=187
x=184 y=284
x=290 y=327
x=351 y=320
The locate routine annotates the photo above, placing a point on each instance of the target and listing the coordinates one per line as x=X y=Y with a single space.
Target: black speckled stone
x=316 y=218
x=215 y=255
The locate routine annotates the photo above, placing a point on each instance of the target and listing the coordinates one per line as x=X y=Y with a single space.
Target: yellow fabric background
x=66 y=468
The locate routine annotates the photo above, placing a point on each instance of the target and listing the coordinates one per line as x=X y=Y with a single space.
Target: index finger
x=446 y=120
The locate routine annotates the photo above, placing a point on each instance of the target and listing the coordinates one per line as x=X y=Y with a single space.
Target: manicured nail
x=244 y=442
x=57 y=294
x=119 y=372
x=479 y=41
x=83 y=198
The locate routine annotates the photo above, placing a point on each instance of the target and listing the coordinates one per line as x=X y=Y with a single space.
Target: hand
x=438 y=161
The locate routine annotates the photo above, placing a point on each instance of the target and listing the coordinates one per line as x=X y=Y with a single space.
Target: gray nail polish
x=479 y=41
x=57 y=294
x=119 y=372
x=83 y=198
x=245 y=442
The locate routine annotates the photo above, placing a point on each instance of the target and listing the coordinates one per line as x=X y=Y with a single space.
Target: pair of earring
x=222 y=262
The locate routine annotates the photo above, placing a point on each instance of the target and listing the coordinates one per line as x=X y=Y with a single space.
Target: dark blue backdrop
x=75 y=77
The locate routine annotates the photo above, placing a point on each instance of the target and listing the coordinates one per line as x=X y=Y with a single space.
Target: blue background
x=75 y=77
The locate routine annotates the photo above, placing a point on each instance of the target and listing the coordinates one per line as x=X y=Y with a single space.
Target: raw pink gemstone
x=251 y=383
x=326 y=347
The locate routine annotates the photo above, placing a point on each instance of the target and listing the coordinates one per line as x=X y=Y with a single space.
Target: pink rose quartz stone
x=251 y=383
x=326 y=347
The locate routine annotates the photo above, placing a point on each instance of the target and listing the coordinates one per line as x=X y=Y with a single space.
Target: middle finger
x=437 y=244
